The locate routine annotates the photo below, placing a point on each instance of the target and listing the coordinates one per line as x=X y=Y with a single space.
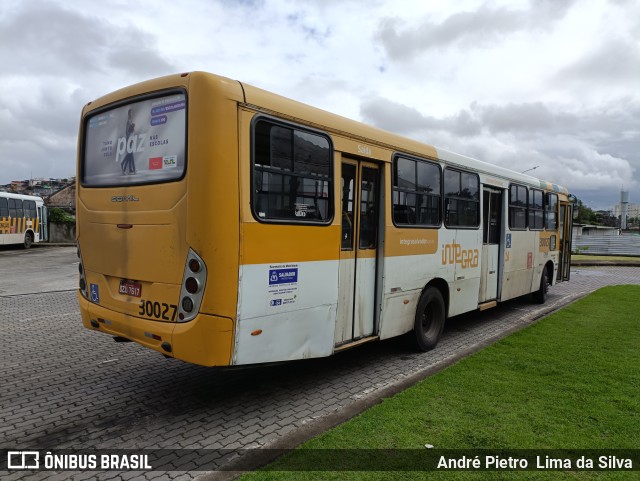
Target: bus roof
x=11 y=195
x=271 y=103
x=324 y=120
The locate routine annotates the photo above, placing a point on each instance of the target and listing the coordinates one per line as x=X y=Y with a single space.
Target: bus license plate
x=130 y=288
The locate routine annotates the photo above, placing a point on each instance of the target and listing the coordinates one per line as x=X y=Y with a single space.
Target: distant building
x=594 y=230
x=606 y=217
x=633 y=210
x=64 y=198
x=19 y=186
x=38 y=186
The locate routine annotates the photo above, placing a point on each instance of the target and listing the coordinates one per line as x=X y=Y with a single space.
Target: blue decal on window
x=508 y=241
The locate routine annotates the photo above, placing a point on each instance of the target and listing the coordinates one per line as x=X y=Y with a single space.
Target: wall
x=62 y=233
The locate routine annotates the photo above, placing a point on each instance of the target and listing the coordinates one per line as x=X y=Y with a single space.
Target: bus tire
x=430 y=317
x=28 y=240
x=540 y=296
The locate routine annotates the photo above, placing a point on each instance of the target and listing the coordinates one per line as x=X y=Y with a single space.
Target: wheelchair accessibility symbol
x=95 y=293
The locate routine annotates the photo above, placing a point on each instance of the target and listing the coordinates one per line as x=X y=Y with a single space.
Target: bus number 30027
x=158 y=310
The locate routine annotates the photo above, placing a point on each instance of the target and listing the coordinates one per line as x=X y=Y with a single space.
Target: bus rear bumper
x=206 y=340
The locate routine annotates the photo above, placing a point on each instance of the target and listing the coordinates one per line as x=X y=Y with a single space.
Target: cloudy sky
x=551 y=84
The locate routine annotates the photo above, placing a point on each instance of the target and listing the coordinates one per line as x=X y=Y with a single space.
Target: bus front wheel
x=430 y=317
x=28 y=240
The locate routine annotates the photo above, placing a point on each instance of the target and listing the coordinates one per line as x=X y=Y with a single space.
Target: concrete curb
x=53 y=244
x=600 y=263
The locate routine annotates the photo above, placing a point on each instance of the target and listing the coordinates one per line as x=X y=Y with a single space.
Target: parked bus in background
x=23 y=219
x=224 y=225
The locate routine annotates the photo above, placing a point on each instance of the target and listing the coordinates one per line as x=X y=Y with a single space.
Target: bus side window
x=292 y=174
x=536 y=206
x=4 y=207
x=348 y=185
x=12 y=208
x=551 y=212
x=19 y=208
x=30 y=209
x=462 y=198
x=518 y=206
x=368 y=209
x=416 y=192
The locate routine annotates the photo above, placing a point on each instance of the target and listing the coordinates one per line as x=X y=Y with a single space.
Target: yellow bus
x=221 y=224
x=23 y=219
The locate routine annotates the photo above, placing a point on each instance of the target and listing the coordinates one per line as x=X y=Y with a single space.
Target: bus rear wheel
x=28 y=240
x=430 y=317
x=540 y=296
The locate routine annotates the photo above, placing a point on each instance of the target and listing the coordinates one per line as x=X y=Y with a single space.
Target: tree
x=585 y=214
x=60 y=216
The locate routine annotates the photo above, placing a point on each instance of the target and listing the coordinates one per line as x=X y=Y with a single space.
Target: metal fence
x=620 y=245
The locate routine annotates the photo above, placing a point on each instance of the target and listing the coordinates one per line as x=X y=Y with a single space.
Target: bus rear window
x=141 y=142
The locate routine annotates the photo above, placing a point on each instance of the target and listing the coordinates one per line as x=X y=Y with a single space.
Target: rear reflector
x=152 y=336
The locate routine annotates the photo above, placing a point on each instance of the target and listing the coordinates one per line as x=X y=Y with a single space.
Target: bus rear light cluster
x=82 y=282
x=192 y=290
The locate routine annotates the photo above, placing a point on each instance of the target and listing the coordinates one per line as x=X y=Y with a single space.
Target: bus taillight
x=191 y=284
x=194 y=265
x=193 y=281
x=82 y=283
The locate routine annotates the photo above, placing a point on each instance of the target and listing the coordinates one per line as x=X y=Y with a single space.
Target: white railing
x=624 y=245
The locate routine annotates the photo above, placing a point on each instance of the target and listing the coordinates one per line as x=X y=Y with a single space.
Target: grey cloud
x=250 y=4
x=465 y=124
x=50 y=39
x=586 y=149
x=395 y=117
x=54 y=110
x=405 y=120
x=131 y=53
x=615 y=61
x=43 y=38
x=479 y=28
x=524 y=120
x=524 y=117
x=47 y=52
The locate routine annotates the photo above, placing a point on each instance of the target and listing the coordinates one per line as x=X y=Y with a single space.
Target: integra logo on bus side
x=124 y=198
x=455 y=253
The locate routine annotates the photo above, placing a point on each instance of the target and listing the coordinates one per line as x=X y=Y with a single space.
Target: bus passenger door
x=491 y=236
x=358 y=254
x=565 y=230
x=42 y=223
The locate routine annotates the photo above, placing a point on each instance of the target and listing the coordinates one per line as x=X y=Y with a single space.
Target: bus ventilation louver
x=83 y=279
x=193 y=281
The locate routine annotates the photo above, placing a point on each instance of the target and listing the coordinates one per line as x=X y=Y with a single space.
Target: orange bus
x=224 y=225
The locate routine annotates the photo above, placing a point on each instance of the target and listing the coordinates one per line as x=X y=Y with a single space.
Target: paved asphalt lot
x=64 y=387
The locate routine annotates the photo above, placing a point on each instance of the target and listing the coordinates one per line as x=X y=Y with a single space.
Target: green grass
x=571 y=381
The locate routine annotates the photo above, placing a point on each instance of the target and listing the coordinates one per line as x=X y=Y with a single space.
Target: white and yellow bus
x=224 y=225
x=23 y=219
